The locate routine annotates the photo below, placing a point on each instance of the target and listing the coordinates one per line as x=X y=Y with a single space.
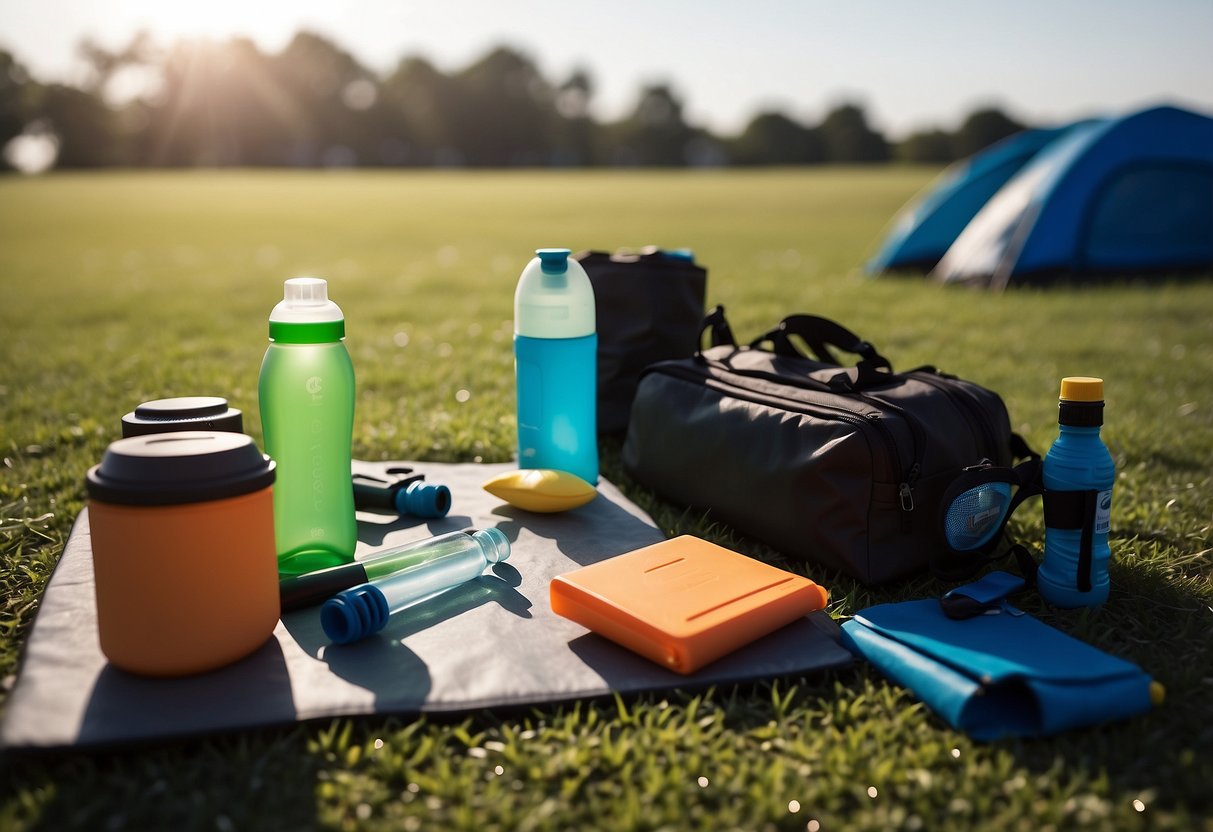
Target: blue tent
x=924 y=229
x=1125 y=195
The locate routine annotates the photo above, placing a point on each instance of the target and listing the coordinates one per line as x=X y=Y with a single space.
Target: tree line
x=313 y=104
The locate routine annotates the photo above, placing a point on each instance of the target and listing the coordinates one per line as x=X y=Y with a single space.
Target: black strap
x=984 y=595
x=819 y=334
x=1075 y=510
x=1020 y=449
x=718 y=325
x=1028 y=480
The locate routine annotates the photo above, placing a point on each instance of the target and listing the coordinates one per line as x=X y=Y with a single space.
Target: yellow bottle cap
x=1082 y=389
x=1157 y=693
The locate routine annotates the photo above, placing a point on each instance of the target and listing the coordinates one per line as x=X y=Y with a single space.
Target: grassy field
x=119 y=288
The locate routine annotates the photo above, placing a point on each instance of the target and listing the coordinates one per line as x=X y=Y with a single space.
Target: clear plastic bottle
x=306 y=395
x=1079 y=463
x=556 y=366
x=435 y=566
x=314 y=587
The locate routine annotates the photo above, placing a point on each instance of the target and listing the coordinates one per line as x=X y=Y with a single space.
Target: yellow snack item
x=541 y=489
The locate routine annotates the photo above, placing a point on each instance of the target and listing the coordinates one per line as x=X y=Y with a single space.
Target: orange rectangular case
x=684 y=602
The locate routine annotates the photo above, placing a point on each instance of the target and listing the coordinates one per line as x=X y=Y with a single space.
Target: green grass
x=119 y=288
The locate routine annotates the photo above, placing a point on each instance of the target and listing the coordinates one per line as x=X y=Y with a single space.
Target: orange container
x=684 y=602
x=183 y=548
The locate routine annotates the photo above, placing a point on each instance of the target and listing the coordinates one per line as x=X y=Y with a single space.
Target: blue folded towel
x=997 y=675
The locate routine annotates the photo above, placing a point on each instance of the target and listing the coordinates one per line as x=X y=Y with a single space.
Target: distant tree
x=981 y=129
x=16 y=89
x=926 y=146
x=231 y=104
x=337 y=98
x=775 y=139
x=218 y=104
x=846 y=137
x=416 y=98
x=313 y=103
x=106 y=63
x=576 y=132
x=86 y=129
x=655 y=132
x=502 y=111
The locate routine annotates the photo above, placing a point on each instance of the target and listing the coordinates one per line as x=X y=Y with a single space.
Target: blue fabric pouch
x=1001 y=674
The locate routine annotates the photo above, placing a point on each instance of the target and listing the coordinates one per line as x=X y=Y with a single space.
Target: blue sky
x=912 y=65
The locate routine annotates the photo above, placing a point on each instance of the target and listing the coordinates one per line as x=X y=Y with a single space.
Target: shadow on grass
x=1153 y=618
x=1163 y=628
x=257 y=780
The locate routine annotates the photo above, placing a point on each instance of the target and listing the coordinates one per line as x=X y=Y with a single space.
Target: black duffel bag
x=844 y=467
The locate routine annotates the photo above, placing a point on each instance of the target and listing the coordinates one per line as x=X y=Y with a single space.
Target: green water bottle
x=306 y=394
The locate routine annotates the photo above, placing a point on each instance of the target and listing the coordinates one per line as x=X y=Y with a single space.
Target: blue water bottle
x=1078 y=477
x=556 y=366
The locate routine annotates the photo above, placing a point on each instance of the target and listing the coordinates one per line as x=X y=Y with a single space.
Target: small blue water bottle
x=556 y=366
x=1078 y=477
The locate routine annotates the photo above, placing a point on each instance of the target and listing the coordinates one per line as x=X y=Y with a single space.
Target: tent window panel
x=1152 y=215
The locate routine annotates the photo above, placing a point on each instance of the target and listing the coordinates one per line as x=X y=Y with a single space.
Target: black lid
x=181 y=467
x=182 y=413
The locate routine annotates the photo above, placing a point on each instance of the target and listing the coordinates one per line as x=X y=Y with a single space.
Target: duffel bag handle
x=820 y=334
x=718 y=326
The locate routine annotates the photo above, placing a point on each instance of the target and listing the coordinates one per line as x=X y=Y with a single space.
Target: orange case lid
x=684 y=602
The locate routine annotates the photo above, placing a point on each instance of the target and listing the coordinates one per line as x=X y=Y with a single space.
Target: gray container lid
x=182 y=413
x=180 y=467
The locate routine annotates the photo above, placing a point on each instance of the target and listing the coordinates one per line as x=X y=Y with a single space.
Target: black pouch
x=649 y=306
x=845 y=467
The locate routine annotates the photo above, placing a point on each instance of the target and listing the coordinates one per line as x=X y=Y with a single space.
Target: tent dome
x=1130 y=194
x=923 y=230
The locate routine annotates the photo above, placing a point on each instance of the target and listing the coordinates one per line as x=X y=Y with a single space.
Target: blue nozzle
x=680 y=254
x=422 y=499
x=554 y=260
x=354 y=614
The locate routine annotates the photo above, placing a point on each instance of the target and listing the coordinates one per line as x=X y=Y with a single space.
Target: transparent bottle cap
x=305 y=291
x=493 y=543
x=306 y=300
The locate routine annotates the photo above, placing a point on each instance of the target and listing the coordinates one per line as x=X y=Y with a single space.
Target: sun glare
x=214 y=19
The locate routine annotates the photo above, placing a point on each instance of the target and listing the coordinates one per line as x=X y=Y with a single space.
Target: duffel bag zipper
x=905 y=488
x=905 y=483
x=955 y=392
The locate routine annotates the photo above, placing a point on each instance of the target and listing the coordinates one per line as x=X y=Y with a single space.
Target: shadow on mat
x=585 y=535
x=805 y=646
x=382 y=663
x=123 y=707
x=374 y=528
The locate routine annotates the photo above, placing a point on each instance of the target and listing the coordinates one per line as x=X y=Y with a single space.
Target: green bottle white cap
x=305 y=300
x=554 y=298
x=305 y=315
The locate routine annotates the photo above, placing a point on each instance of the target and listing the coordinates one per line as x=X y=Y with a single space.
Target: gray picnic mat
x=493 y=642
